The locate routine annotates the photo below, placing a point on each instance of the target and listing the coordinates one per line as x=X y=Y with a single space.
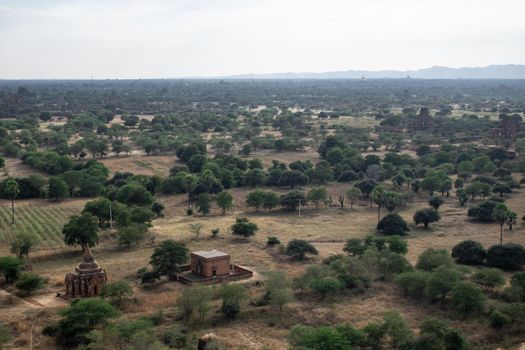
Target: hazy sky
x=174 y=38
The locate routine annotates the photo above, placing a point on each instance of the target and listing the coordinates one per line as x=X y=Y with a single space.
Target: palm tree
x=12 y=190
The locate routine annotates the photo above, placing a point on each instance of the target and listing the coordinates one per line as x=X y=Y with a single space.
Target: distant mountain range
x=508 y=71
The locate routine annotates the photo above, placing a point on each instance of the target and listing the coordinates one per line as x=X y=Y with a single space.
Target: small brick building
x=88 y=278
x=210 y=263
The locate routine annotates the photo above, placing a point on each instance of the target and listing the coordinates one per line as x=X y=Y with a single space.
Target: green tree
x=29 y=282
x=507 y=256
x=318 y=338
x=397 y=330
x=467 y=298
x=256 y=199
x=413 y=283
x=81 y=230
x=118 y=292
x=393 y=224
x=10 y=268
x=489 y=279
x=432 y=258
x=232 y=295
x=292 y=200
x=435 y=202
x=196 y=228
x=431 y=183
x=100 y=208
x=271 y=200
x=57 y=188
x=353 y=195
x=22 y=244
x=501 y=214
x=134 y=194
x=224 y=201
x=298 y=248
x=11 y=189
x=518 y=281
x=316 y=195
x=469 y=252
x=426 y=216
x=325 y=286
x=440 y=282
x=167 y=256
x=243 y=227
x=378 y=196
x=203 y=203
x=82 y=317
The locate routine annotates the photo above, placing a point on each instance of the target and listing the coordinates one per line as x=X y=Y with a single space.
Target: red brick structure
x=210 y=263
x=209 y=267
x=508 y=128
x=88 y=278
x=423 y=121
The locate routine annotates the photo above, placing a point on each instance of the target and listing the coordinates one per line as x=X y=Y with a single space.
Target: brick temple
x=88 y=278
x=211 y=266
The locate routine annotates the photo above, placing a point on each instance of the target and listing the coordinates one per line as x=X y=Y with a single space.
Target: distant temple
x=423 y=121
x=211 y=266
x=508 y=127
x=88 y=278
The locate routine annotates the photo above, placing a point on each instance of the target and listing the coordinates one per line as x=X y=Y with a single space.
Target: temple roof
x=210 y=253
x=88 y=261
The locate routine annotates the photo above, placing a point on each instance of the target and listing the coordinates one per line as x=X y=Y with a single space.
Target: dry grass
x=327 y=229
x=140 y=164
x=16 y=168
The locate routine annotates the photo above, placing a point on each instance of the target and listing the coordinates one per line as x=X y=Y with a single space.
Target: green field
x=44 y=222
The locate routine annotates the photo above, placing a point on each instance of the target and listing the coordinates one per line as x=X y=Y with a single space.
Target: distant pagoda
x=88 y=278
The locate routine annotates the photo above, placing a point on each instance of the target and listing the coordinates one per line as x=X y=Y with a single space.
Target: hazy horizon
x=124 y=39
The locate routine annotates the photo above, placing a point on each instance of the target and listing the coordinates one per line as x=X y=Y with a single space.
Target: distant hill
x=509 y=71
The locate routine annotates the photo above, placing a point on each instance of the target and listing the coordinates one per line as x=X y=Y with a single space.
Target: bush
x=467 y=298
x=10 y=268
x=435 y=202
x=298 y=248
x=393 y=224
x=507 y=256
x=175 y=337
x=271 y=241
x=426 y=216
x=432 y=258
x=469 y=252
x=483 y=211
x=29 y=282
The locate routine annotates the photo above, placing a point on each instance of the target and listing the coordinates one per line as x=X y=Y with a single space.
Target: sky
x=78 y=39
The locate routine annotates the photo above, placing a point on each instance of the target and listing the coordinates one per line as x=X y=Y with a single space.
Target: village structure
x=88 y=278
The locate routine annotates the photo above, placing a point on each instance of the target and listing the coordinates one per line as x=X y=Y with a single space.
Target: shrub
x=29 y=282
x=412 y=282
x=271 y=241
x=435 y=202
x=298 y=248
x=426 y=216
x=467 y=298
x=432 y=258
x=469 y=252
x=483 y=211
x=507 y=256
x=393 y=224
